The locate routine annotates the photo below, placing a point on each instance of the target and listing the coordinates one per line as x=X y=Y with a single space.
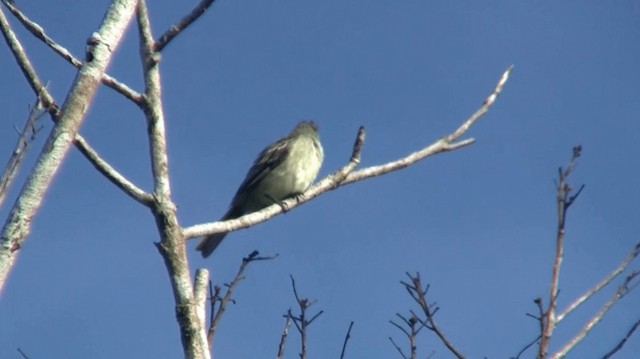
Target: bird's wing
x=267 y=160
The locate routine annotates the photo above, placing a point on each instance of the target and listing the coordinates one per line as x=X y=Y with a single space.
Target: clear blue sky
x=478 y=224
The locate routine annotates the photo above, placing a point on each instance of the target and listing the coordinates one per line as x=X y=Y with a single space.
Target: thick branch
x=346 y=175
x=171 y=246
x=40 y=34
x=48 y=103
x=18 y=224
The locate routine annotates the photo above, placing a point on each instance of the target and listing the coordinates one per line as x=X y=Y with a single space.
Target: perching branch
x=346 y=175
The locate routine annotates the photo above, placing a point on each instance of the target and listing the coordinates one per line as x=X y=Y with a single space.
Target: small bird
x=285 y=168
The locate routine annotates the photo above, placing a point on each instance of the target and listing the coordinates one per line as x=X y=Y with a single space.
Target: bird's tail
x=209 y=244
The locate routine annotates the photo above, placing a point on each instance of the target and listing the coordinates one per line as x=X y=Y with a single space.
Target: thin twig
x=283 y=337
x=398 y=348
x=564 y=200
x=429 y=313
x=418 y=294
x=301 y=322
x=27 y=135
x=346 y=339
x=623 y=341
x=216 y=315
x=526 y=347
x=176 y=29
x=338 y=178
x=24 y=355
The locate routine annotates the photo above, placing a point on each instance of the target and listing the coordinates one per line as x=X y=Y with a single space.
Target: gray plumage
x=283 y=169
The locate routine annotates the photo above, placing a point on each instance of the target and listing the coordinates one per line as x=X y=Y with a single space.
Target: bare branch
x=171 y=247
x=216 y=315
x=24 y=355
x=181 y=25
x=49 y=104
x=346 y=339
x=418 y=294
x=623 y=341
x=398 y=348
x=623 y=290
x=18 y=224
x=606 y=280
x=346 y=175
x=26 y=67
x=526 y=347
x=200 y=294
x=283 y=337
x=426 y=309
x=27 y=135
x=564 y=200
x=120 y=181
x=40 y=34
x=301 y=322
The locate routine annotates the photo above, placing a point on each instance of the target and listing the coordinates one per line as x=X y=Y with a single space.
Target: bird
x=283 y=169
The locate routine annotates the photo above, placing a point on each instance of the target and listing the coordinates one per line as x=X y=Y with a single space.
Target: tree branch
x=49 y=104
x=26 y=136
x=181 y=25
x=283 y=338
x=623 y=290
x=18 y=224
x=623 y=341
x=606 y=280
x=40 y=34
x=214 y=294
x=301 y=322
x=564 y=200
x=346 y=339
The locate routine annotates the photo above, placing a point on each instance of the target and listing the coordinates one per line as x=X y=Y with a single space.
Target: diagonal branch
x=606 y=280
x=49 y=104
x=176 y=29
x=346 y=175
x=72 y=114
x=26 y=136
x=622 y=342
x=214 y=294
x=40 y=34
x=623 y=290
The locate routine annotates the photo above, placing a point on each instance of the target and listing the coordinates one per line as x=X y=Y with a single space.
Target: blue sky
x=478 y=223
